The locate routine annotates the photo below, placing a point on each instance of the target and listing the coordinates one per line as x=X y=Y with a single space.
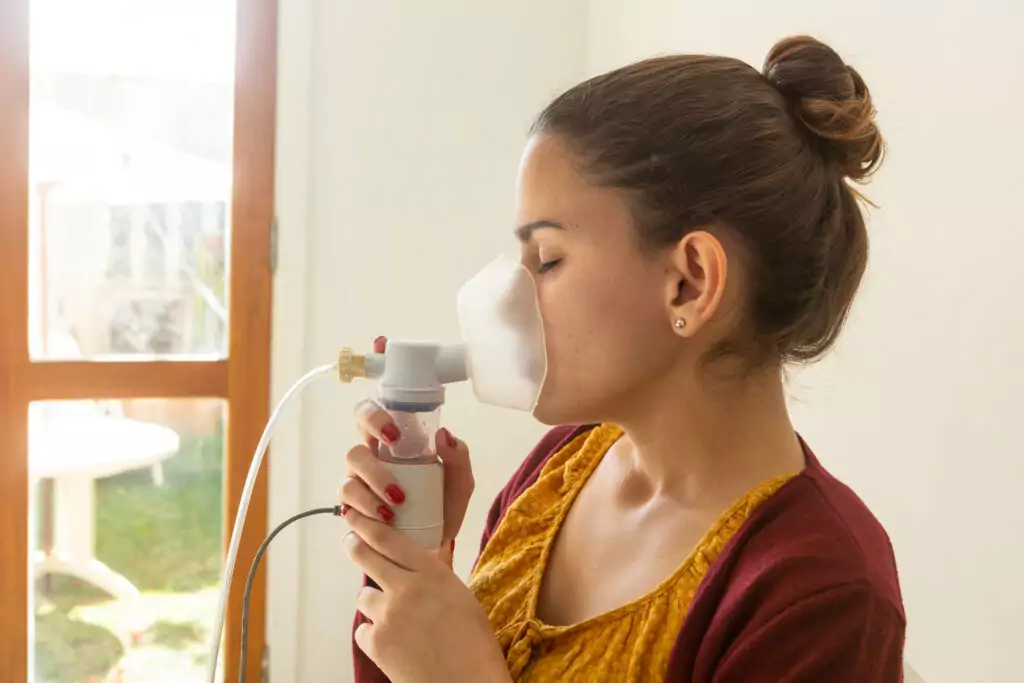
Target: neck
x=712 y=444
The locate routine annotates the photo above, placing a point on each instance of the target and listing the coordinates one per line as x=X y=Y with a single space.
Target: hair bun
x=831 y=101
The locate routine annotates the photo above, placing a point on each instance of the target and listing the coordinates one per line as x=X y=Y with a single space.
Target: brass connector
x=350 y=365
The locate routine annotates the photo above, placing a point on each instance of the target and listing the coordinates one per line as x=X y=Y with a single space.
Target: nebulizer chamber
x=412 y=377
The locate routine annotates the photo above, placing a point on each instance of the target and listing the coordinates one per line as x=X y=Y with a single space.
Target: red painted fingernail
x=391 y=433
x=380 y=344
x=453 y=546
x=385 y=513
x=345 y=509
x=452 y=442
x=395 y=494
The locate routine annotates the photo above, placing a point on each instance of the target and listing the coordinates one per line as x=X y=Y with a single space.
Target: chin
x=546 y=417
x=554 y=409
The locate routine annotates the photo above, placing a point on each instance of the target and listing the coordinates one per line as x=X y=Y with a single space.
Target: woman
x=692 y=230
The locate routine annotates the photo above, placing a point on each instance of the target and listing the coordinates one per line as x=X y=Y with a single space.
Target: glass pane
x=126 y=528
x=131 y=120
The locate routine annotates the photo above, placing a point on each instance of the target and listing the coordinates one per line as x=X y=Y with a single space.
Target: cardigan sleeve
x=843 y=634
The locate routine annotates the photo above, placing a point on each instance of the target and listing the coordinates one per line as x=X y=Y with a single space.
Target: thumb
x=458 y=480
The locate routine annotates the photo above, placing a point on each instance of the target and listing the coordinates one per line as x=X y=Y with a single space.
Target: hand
x=370 y=488
x=425 y=624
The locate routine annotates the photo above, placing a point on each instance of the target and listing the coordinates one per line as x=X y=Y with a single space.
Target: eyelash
x=545 y=267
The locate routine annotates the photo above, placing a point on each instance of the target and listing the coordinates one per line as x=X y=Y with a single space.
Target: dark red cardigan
x=805 y=592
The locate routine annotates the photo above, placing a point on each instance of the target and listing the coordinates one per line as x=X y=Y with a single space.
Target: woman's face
x=605 y=304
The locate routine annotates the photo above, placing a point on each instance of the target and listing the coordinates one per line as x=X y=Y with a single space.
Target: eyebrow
x=524 y=232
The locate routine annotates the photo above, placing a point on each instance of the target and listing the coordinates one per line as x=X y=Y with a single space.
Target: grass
x=167 y=541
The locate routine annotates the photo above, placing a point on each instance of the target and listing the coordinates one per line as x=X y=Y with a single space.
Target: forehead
x=552 y=187
x=547 y=161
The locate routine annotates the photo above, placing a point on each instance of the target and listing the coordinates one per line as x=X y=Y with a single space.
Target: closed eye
x=547 y=265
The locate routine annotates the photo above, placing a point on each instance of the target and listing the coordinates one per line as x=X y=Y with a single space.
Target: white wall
x=400 y=124
x=919 y=410
x=400 y=129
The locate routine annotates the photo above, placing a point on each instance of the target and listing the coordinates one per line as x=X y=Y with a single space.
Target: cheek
x=600 y=332
x=575 y=310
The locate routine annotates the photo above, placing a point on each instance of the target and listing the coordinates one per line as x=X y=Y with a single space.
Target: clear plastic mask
x=504 y=335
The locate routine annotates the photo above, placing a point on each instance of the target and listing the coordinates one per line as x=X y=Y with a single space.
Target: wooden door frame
x=243 y=379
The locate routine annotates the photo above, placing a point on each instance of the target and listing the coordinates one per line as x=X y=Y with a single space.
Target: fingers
x=384 y=554
x=355 y=494
x=373 y=564
x=375 y=424
x=365 y=640
x=372 y=435
x=446 y=553
x=363 y=464
x=371 y=561
x=371 y=603
x=458 y=480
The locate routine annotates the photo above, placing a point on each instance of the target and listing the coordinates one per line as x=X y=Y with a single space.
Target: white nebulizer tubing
x=243 y=509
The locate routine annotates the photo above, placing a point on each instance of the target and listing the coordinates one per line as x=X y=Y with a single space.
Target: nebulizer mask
x=501 y=354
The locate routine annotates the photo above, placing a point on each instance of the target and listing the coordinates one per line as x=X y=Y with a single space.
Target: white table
x=74 y=448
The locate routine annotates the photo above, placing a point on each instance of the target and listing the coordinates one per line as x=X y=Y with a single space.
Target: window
x=132 y=393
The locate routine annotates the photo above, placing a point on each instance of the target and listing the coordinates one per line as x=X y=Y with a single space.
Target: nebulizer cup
x=412 y=378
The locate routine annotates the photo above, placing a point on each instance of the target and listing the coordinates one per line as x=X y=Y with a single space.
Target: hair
x=700 y=142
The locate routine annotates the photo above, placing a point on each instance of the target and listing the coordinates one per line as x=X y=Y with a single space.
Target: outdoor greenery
x=164 y=539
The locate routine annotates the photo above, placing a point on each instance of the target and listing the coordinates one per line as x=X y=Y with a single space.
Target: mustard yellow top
x=628 y=644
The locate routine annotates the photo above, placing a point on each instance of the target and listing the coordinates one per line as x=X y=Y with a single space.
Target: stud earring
x=680 y=323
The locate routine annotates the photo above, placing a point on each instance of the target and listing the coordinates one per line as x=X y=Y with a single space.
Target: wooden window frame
x=243 y=379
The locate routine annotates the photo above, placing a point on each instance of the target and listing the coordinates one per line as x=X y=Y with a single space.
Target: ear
x=698 y=270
